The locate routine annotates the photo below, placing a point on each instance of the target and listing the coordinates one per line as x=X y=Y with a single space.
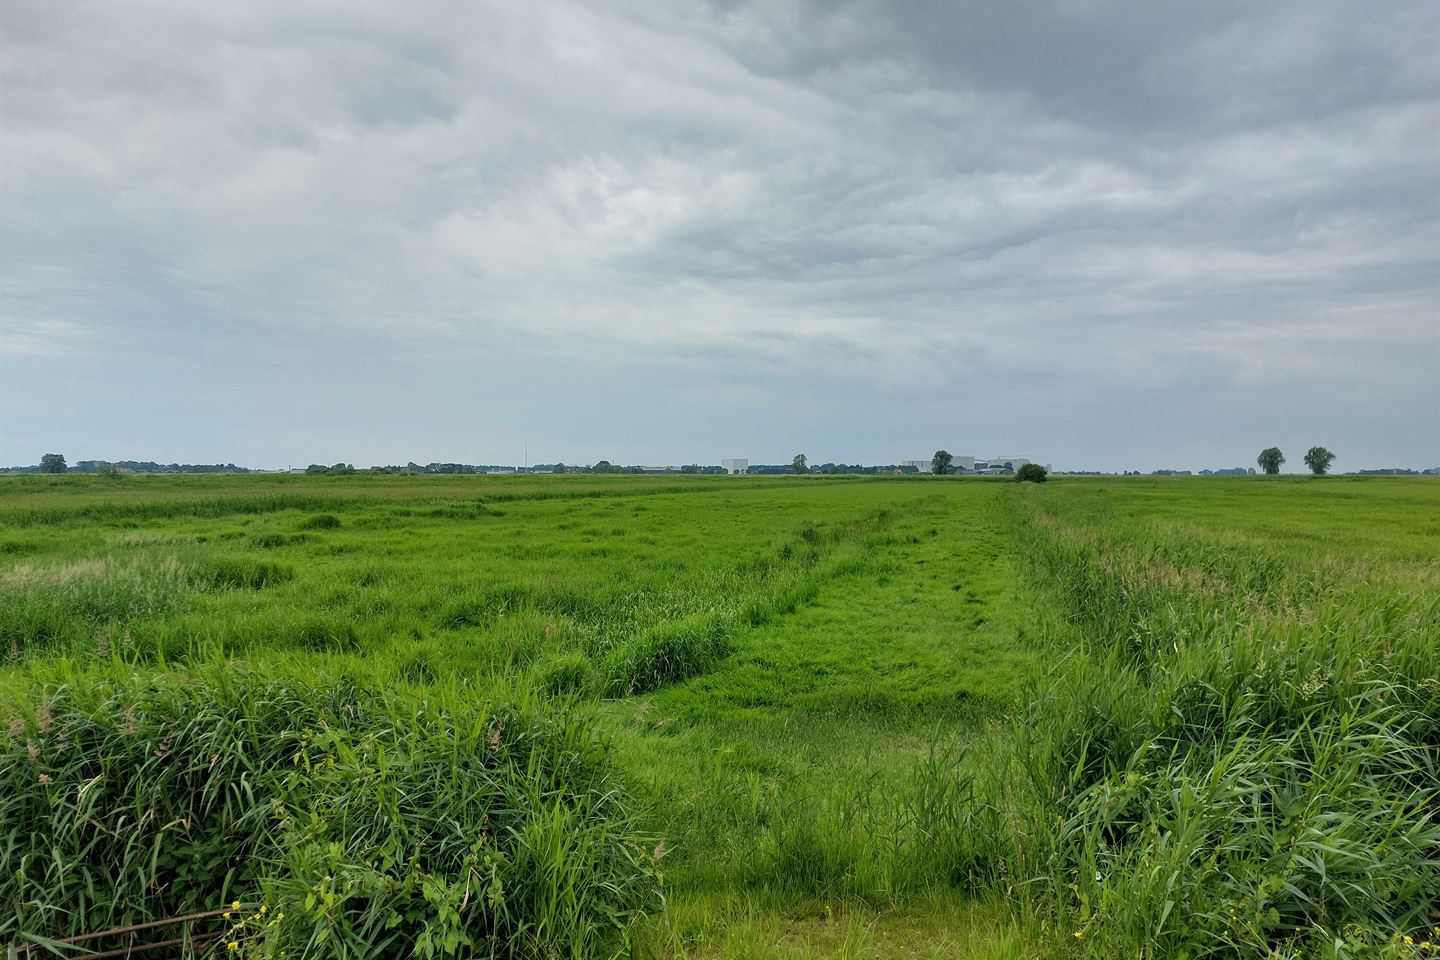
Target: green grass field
x=722 y=717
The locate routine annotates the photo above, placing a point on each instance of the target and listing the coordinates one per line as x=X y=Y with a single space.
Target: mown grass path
x=785 y=778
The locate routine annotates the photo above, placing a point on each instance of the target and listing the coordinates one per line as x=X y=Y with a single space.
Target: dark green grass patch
x=274 y=540
x=321 y=521
x=241 y=573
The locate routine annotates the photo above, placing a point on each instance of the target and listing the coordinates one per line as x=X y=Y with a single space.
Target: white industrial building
x=927 y=466
x=735 y=466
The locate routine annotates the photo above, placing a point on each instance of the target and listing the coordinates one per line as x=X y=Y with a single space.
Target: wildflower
x=1079 y=935
x=227 y=914
x=264 y=910
x=235 y=905
x=1409 y=941
x=232 y=945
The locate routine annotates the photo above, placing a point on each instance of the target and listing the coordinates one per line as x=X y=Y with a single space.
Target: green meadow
x=656 y=716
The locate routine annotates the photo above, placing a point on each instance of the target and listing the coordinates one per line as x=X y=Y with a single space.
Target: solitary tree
x=1270 y=459
x=940 y=463
x=1032 y=472
x=1318 y=459
x=798 y=464
x=52 y=463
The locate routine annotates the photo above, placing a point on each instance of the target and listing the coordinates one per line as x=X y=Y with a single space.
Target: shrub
x=1031 y=472
x=320 y=521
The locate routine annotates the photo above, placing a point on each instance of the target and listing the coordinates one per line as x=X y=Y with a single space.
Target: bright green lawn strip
x=798 y=768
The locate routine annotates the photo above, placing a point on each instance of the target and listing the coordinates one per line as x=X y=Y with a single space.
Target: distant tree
x=1318 y=459
x=52 y=463
x=1032 y=472
x=940 y=463
x=602 y=466
x=559 y=468
x=1270 y=459
x=798 y=464
x=315 y=469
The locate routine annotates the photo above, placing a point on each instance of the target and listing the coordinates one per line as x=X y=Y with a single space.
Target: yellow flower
x=1409 y=941
x=232 y=945
x=264 y=910
x=227 y=914
x=235 y=905
x=1079 y=935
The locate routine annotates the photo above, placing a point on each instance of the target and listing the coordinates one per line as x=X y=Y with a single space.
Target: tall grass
x=1234 y=754
x=46 y=608
x=375 y=823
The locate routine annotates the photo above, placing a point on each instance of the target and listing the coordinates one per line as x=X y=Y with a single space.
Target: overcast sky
x=1102 y=235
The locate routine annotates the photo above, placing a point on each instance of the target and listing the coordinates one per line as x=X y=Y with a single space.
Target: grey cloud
x=1203 y=203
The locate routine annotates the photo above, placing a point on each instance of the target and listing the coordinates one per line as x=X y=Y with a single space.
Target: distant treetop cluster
x=1318 y=459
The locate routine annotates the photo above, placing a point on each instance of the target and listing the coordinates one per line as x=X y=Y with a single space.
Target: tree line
x=55 y=463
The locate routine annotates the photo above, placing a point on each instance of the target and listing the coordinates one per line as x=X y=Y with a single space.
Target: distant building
x=735 y=466
x=1009 y=463
x=963 y=463
x=922 y=465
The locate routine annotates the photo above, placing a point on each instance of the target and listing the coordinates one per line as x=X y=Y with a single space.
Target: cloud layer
x=1106 y=235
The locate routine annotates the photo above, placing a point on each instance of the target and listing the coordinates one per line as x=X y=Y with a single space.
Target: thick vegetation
x=595 y=716
x=1241 y=747
x=352 y=822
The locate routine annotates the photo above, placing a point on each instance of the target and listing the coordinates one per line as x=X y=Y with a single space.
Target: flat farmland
x=721 y=716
